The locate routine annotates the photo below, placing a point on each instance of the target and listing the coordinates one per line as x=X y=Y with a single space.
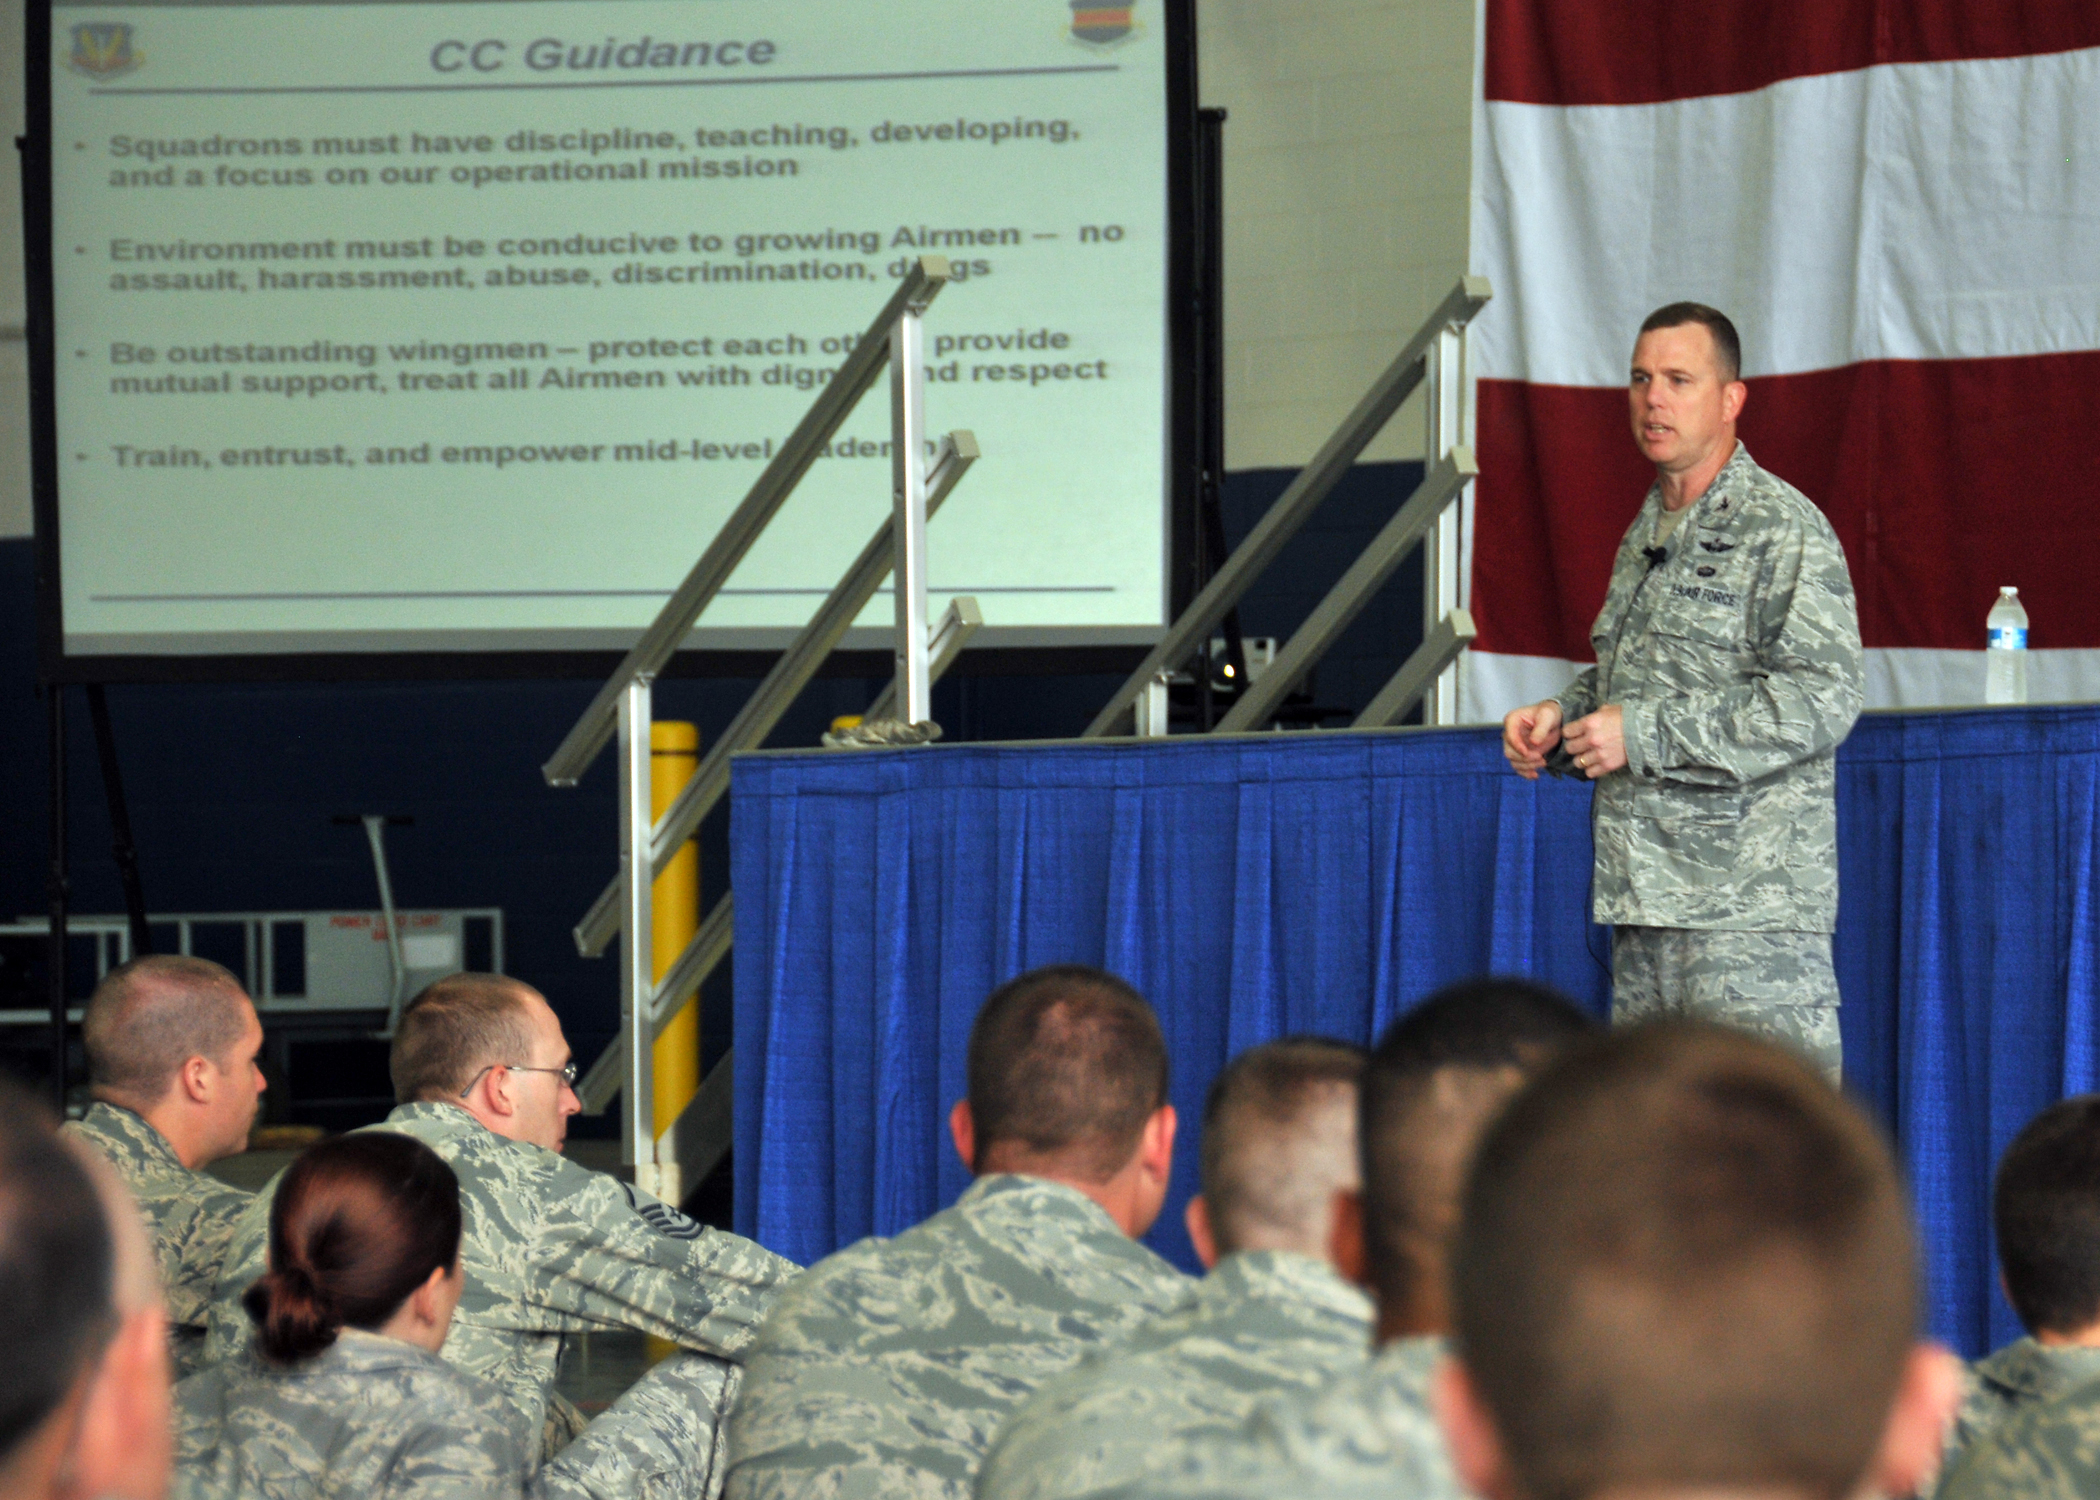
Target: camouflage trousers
x=660 y=1441
x=1779 y=985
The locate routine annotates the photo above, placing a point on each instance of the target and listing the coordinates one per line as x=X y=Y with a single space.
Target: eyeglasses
x=567 y=1070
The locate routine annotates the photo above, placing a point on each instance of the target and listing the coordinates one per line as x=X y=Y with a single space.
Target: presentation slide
x=463 y=327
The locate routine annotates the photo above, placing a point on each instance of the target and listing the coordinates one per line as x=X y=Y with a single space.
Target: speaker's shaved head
x=150 y=1016
x=457 y=1027
x=1686 y=1264
x=1279 y=1141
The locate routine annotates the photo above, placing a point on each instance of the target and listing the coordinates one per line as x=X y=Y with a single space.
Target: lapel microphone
x=1655 y=556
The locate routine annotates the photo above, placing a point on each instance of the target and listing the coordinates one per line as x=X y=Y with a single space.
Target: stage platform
x=1267 y=884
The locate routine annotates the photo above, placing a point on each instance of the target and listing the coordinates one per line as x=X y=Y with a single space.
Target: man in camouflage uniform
x=171 y=1044
x=1437 y=1078
x=2045 y=1207
x=549 y=1248
x=887 y=1368
x=1279 y=1142
x=1728 y=671
x=1686 y=1269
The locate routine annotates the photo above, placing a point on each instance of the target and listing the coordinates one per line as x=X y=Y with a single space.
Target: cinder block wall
x=1347 y=174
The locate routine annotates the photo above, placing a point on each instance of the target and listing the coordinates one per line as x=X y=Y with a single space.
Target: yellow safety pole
x=674 y=754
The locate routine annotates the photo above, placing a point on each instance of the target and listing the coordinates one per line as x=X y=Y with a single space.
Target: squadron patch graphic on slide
x=1100 y=25
x=102 y=49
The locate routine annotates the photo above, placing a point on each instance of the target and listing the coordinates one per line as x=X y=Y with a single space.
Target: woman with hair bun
x=344 y=1396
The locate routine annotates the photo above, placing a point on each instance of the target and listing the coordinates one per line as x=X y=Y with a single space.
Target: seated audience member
x=1279 y=1142
x=171 y=1044
x=83 y=1354
x=1686 y=1269
x=549 y=1248
x=343 y=1395
x=1436 y=1079
x=886 y=1369
x=2046 y=1210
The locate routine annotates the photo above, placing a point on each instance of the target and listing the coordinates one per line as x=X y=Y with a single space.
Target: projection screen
x=461 y=327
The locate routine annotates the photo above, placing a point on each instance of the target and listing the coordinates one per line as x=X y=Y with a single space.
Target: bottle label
x=2008 y=638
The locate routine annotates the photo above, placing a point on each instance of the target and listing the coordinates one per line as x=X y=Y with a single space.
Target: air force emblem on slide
x=102 y=49
x=1100 y=25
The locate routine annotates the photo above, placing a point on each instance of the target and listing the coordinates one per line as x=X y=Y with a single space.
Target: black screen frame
x=1182 y=482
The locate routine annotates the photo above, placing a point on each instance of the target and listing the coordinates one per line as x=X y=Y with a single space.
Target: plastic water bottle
x=2005 y=661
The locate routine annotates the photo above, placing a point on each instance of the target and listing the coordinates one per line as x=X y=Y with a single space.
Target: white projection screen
x=460 y=328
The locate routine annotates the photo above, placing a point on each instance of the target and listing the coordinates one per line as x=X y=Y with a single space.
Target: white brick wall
x=1347 y=167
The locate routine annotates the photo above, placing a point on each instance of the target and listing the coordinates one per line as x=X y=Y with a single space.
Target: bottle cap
x=2009 y=589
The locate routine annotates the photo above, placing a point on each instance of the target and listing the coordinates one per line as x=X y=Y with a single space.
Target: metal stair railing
x=621 y=710
x=1436 y=354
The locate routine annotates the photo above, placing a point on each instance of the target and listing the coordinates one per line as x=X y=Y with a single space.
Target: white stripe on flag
x=1493 y=682
x=1919 y=211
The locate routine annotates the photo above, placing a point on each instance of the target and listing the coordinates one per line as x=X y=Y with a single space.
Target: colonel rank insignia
x=102 y=49
x=1100 y=25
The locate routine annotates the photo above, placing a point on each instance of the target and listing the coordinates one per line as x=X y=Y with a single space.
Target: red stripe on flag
x=1648 y=51
x=1944 y=478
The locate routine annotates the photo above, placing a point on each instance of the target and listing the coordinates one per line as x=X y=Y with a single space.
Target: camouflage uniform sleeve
x=659 y=1441
x=1800 y=705
x=229 y=1330
x=1578 y=697
x=616 y=1256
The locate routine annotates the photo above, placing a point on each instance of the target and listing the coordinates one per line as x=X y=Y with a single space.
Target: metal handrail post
x=961 y=620
x=1293 y=506
x=773 y=696
x=637 y=949
x=675 y=621
x=1443 y=548
x=908 y=497
x=1331 y=616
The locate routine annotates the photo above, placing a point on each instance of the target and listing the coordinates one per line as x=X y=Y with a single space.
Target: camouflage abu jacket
x=1263 y=1322
x=190 y=1214
x=888 y=1366
x=366 y=1417
x=549 y=1248
x=2008 y=1380
x=1737 y=661
x=1368 y=1434
x=2048 y=1450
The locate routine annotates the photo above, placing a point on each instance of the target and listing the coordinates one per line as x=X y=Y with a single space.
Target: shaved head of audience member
x=493 y=1046
x=84 y=1406
x=1068 y=1081
x=174 y=1040
x=1279 y=1143
x=1436 y=1079
x=2045 y=1208
x=1686 y=1267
